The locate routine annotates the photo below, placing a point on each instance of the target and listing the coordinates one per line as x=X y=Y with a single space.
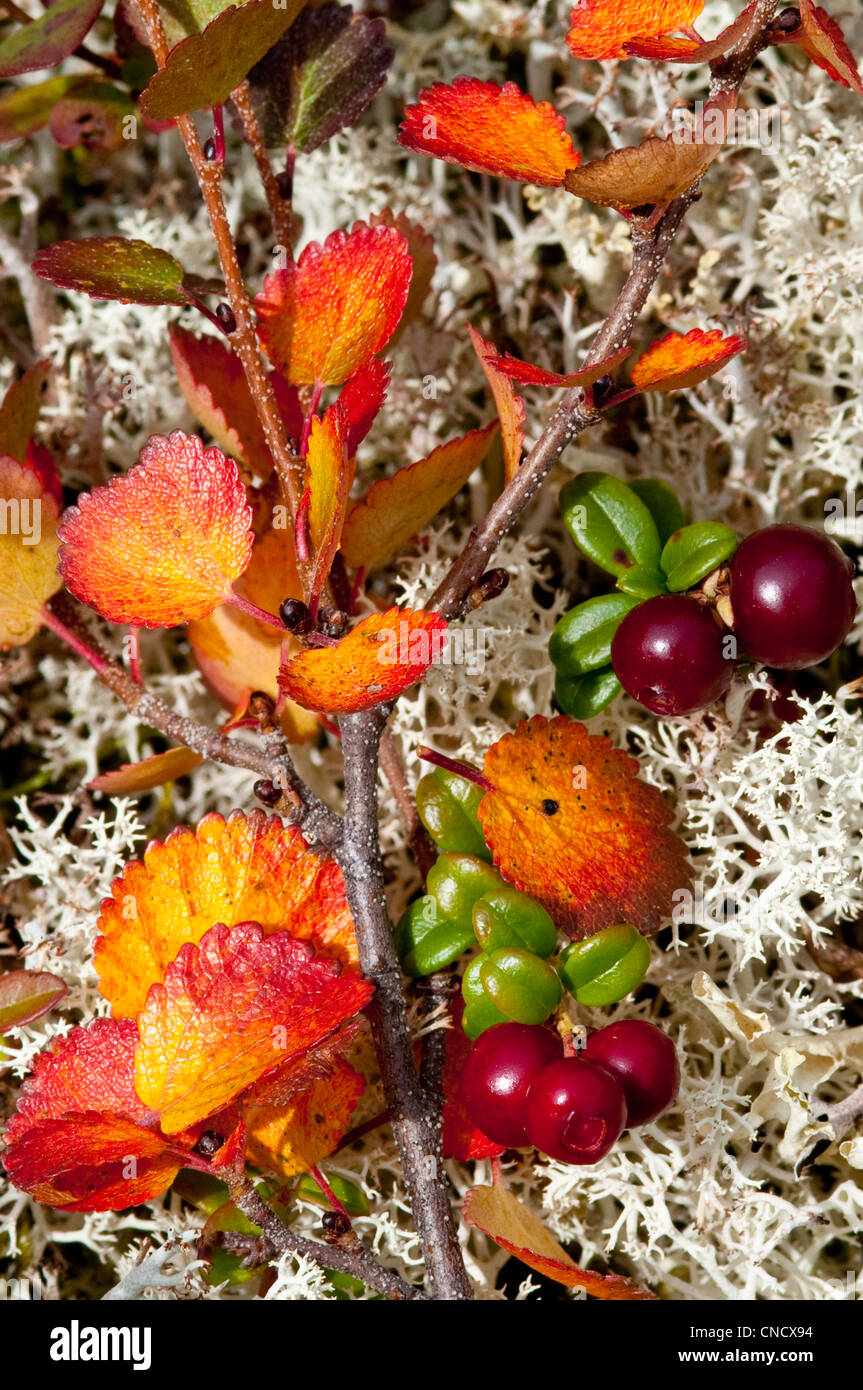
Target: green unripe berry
x=507 y=917
x=456 y=881
x=426 y=940
x=520 y=985
x=605 y=967
x=447 y=806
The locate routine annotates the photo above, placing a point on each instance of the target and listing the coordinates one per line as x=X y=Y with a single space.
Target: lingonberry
x=668 y=654
x=644 y=1060
x=792 y=596
x=499 y=1070
x=575 y=1110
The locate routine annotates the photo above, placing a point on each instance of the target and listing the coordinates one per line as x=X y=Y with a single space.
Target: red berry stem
x=470 y=774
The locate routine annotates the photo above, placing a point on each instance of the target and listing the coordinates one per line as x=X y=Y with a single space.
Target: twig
x=415 y=1122
x=420 y=842
x=280 y=208
x=354 y=1259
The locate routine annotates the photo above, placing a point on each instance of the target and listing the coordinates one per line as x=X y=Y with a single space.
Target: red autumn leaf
x=40 y=461
x=46 y=41
x=163 y=544
x=26 y=995
x=361 y=398
x=81 y=1139
x=601 y=28
x=824 y=43
x=248 y=867
x=20 y=411
x=232 y=1008
x=237 y=653
x=495 y=130
x=294 y=1134
x=657 y=171
x=385 y=654
x=513 y=1226
x=395 y=509
x=529 y=375
x=214 y=384
x=510 y=406
x=329 y=476
x=93 y=115
x=327 y=314
x=203 y=69
x=679 y=360
x=605 y=854
x=688 y=50
x=460 y=1137
x=134 y=778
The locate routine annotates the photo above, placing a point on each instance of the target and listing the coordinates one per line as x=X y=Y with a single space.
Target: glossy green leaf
x=447 y=806
x=507 y=917
x=520 y=985
x=46 y=41
x=606 y=967
x=320 y=76
x=114 y=268
x=609 y=523
x=695 y=551
x=352 y=1197
x=205 y=68
x=642 y=582
x=428 y=940
x=479 y=1016
x=662 y=503
x=472 y=991
x=456 y=881
x=584 y=696
x=581 y=640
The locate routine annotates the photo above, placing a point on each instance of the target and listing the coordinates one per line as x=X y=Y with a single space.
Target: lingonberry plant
x=258 y=1013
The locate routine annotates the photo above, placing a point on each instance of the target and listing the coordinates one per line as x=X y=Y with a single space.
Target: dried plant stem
x=243 y=338
x=415 y=1116
x=352 y=1258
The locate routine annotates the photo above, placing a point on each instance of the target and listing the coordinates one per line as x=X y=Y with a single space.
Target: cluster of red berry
x=520 y=1088
x=792 y=604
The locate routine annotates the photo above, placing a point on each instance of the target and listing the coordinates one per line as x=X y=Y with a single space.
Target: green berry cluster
x=636 y=532
x=517 y=975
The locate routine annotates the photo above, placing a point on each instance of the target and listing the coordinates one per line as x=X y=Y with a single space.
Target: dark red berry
x=792 y=596
x=296 y=616
x=575 y=1110
x=225 y=315
x=668 y=654
x=500 y=1067
x=644 y=1060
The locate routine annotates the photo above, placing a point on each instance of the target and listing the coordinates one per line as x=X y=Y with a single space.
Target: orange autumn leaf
x=236 y=653
x=657 y=171
x=681 y=360
x=214 y=384
x=514 y=1227
x=326 y=314
x=329 y=476
x=143 y=776
x=529 y=375
x=79 y=1125
x=495 y=130
x=510 y=406
x=604 y=853
x=688 y=50
x=421 y=249
x=28 y=553
x=248 y=867
x=601 y=28
x=293 y=1135
x=460 y=1137
x=232 y=1008
x=20 y=409
x=395 y=509
x=163 y=544
x=823 y=42
x=385 y=654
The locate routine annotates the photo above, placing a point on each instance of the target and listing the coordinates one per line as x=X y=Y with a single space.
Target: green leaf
x=205 y=68
x=427 y=940
x=447 y=806
x=27 y=994
x=320 y=76
x=24 y=110
x=642 y=581
x=695 y=551
x=46 y=41
x=662 y=503
x=609 y=523
x=583 y=696
x=581 y=640
x=352 y=1198
x=113 y=268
